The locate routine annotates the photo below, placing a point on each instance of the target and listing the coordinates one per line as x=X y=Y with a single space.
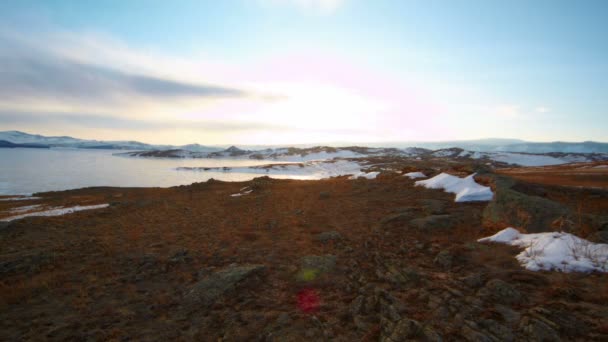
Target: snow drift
x=554 y=251
x=466 y=189
x=58 y=211
x=414 y=175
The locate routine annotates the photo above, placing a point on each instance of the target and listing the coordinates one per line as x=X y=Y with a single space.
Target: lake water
x=26 y=171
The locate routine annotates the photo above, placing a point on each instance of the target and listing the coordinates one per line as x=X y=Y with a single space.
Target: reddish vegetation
x=590 y=175
x=123 y=272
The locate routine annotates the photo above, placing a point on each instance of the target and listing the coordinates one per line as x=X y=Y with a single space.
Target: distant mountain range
x=16 y=137
x=480 y=145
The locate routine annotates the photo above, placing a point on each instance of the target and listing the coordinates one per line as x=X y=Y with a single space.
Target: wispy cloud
x=35 y=73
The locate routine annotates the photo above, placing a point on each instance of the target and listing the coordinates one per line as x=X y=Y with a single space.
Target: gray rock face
x=209 y=290
x=324 y=195
x=321 y=263
x=4 y=225
x=328 y=236
x=434 y=222
x=501 y=292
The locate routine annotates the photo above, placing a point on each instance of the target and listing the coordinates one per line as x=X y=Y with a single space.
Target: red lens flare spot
x=308 y=300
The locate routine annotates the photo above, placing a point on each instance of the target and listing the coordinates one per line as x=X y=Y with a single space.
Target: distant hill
x=8 y=144
x=17 y=137
x=479 y=145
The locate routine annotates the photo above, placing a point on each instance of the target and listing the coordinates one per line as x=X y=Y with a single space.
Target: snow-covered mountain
x=17 y=137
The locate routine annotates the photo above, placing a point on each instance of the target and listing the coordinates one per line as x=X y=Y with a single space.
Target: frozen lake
x=26 y=171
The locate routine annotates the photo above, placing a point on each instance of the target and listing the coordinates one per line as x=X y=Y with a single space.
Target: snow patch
x=57 y=211
x=244 y=191
x=466 y=189
x=414 y=175
x=368 y=175
x=554 y=251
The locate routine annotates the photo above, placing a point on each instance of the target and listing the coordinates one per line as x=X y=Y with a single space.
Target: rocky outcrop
x=207 y=291
x=514 y=208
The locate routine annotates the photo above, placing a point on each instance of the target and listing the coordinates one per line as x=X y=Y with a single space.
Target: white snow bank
x=414 y=175
x=554 y=251
x=368 y=175
x=58 y=211
x=242 y=192
x=466 y=189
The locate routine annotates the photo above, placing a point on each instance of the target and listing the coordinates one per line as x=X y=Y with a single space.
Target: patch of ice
x=414 y=175
x=55 y=212
x=601 y=167
x=554 y=251
x=466 y=189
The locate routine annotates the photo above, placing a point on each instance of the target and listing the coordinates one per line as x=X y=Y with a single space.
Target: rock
x=4 y=225
x=501 y=292
x=474 y=281
x=398 y=276
x=433 y=206
x=406 y=330
x=444 y=259
x=207 y=291
x=602 y=236
x=433 y=222
x=539 y=331
x=533 y=213
x=565 y=322
x=321 y=263
x=498 y=330
x=400 y=217
x=473 y=335
x=324 y=195
x=509 y=315
x=328 y=236
x=181 y=256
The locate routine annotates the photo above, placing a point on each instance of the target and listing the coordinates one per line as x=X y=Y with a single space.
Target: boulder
x=534 y=213
x=207 y=291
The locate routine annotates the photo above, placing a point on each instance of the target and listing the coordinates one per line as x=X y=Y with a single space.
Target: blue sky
x=303 y=71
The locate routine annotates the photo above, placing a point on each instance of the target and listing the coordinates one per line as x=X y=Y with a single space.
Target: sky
x=305 y=71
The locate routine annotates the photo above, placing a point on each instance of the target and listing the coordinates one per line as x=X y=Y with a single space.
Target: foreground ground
x=336 y=259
